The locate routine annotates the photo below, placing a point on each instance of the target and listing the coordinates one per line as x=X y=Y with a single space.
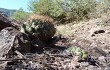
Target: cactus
x=78 y=51
x=39 y=26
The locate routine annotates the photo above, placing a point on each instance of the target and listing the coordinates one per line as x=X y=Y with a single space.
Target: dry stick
x=19 y=54
x=12 y=59
x=59 y=55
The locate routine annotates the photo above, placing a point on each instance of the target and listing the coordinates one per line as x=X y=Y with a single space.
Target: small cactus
x=79 y=52
x=39 y=26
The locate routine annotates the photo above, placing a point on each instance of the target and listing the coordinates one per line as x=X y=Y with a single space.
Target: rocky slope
x=8 y=12
x=92 y=36
x=83 y=46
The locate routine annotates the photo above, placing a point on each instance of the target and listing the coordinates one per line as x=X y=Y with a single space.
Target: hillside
x=8 y=12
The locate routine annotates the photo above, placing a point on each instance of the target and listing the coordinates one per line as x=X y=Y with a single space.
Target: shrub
x=63 y=10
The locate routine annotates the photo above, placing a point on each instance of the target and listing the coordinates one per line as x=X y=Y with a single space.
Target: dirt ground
x=91 y=36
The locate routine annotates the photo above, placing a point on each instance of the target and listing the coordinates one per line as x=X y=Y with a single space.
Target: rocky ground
x=59 y=54
x=92 y=36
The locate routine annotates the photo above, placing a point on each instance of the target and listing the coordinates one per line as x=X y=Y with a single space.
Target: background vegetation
x=66 y=11
x=20 y=15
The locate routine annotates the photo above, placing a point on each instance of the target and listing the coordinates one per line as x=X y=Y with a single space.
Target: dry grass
x=82 y=27
x=41 y=17
x=65 y=30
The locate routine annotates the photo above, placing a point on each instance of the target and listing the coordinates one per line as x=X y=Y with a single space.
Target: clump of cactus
x=79 y=52
x=40 y=27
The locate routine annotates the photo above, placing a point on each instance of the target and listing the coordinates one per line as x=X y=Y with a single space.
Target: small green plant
x=79 y=52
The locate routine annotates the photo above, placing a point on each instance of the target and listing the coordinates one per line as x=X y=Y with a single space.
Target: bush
x=103 y=6
x=63 y=10
x=20 y=15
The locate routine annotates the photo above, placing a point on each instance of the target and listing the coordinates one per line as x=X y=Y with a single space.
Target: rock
x=93 y=68
x=74 y=64
x=6 y=22
x=107 y=67
x=2 y=65
x=97 y=52
x=67 y=52
x=12 y=40
x=77 y=58
x=84 y=64
x=102 y=59
x=107 y=32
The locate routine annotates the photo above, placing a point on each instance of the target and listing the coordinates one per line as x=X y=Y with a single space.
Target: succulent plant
x=39 y=26
x=79 y=52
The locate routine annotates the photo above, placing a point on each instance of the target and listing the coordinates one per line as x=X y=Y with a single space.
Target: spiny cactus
x=79 y=52
x=39 y=26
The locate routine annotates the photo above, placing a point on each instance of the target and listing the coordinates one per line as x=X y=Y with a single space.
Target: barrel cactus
x=40 y=27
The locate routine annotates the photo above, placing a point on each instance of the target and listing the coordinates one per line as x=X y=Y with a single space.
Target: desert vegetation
x=67 y=11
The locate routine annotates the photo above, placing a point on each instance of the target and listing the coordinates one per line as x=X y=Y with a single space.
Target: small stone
x=107 y=67
x=84 y=64
x=73 y=41
x=102 y=58
x=107 y=32
x=74 y=64
x=93 y=68
x=77 y=58
x=67 y=52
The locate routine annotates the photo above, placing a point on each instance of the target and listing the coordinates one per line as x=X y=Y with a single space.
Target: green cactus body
x=84 y=54
x=37 y=27
x=79 y=52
